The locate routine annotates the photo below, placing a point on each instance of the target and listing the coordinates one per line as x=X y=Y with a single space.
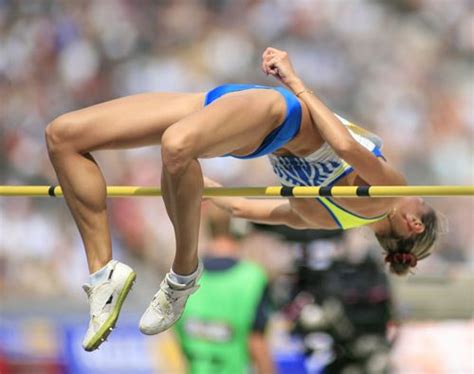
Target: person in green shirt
x=222 y=327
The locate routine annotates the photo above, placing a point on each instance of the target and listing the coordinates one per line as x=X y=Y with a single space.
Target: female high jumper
x=308 y=145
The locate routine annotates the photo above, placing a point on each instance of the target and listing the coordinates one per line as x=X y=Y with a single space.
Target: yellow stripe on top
x=344 y=218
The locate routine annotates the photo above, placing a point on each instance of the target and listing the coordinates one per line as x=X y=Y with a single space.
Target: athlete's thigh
x=131 y=121
x=236 y=123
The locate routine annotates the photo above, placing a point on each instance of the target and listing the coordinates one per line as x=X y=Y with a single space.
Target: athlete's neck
x=384 y=226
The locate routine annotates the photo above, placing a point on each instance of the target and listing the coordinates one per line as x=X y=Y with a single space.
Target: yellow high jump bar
x=272 y=192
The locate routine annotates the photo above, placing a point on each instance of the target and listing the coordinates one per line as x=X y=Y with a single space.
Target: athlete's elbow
x=238 y=210
x=346 y=149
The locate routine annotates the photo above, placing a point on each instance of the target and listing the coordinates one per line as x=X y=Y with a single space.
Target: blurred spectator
x=222 y=328
x=341 y=306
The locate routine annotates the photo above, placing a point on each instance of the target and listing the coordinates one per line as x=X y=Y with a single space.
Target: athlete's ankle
x=184 y=279
x=101 y=275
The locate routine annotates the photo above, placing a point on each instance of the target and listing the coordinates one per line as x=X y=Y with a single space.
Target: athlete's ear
x=419 y=228
x=415 y=224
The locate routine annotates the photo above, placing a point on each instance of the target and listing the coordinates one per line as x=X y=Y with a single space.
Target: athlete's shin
x=182 y=193
x=84 y=190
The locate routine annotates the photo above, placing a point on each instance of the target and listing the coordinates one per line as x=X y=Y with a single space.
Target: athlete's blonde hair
x=403 y=254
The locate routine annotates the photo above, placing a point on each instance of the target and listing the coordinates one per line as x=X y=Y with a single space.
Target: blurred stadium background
x=402 y=68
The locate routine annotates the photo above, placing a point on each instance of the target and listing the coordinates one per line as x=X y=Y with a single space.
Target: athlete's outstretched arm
x=372 y=169
x=272 y=212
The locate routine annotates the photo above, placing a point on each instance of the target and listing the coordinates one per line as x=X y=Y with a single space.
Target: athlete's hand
x=277 y=63
x=208 y=182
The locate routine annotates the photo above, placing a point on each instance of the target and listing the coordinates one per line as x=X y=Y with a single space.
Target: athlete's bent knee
x=60 y=134
x=55 y=134
x=176 y=151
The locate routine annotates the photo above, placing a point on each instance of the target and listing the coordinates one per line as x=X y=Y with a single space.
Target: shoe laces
x=170 y=294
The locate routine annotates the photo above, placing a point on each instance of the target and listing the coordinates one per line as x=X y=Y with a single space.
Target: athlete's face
x=405 y=218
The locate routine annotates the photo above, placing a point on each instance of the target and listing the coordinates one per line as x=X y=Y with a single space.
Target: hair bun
x=401 y=258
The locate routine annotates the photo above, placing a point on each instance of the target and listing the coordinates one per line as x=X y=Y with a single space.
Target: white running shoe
x=167 y=304
x=105 y=301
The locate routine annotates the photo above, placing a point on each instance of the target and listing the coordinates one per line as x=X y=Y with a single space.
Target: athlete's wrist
x=296 y=85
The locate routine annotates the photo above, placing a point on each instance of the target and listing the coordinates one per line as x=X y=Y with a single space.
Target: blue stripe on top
x=278 y=137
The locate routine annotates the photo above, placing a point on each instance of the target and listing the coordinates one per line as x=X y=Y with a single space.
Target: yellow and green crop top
x=324 y=168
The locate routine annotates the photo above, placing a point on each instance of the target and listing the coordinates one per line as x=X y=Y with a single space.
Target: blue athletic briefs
x=279 y=136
